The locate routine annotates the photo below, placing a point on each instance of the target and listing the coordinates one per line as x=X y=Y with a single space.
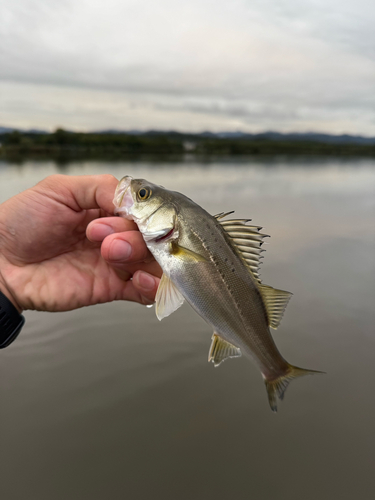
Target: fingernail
x=120 y=250
x=146 y=281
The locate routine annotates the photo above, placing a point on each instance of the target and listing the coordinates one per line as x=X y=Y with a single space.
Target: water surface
x=108 y=402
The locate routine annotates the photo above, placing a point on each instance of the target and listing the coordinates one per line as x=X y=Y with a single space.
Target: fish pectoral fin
x=168 y=298
x=221 y=349
x=275 y=302
x=185 y=254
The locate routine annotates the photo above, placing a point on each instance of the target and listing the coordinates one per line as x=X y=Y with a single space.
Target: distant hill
x=295 y=136
x=9 y=130
x=6 y=130
x=270 y=135
x=264 y=136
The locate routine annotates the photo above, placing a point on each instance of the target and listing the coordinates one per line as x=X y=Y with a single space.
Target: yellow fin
x=276 y=388
x=275 y=302
x=185 y=254
x=247 y=240
x=168 y=298
x=221 y=349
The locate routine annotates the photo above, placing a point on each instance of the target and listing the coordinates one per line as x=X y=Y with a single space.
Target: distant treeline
x=63 y=144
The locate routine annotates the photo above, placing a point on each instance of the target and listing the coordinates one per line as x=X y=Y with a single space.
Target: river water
x=108 y=402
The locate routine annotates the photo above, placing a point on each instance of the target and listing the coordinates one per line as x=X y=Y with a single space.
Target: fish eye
x=144 y=193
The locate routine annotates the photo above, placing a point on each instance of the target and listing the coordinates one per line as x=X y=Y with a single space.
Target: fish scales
x=213 y=266
x=231 y=288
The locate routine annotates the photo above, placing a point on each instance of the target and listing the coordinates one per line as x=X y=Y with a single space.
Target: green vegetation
x=65 y=146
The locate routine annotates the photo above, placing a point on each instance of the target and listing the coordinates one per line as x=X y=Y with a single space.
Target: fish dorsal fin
x=247 y=240
x=221 y=349
x=275 y=302
x=221 y=215
x=168 y=298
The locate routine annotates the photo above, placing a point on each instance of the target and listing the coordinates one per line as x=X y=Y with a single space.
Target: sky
x=283 y=65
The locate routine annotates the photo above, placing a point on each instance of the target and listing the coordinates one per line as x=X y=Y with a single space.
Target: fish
x=212 y=263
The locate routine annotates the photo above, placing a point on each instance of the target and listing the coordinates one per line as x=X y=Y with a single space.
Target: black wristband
x=11 y=321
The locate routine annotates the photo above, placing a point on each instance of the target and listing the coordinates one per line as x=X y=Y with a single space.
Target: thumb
x=82 y=192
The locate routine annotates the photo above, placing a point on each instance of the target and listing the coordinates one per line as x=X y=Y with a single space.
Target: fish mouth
x=123 y=200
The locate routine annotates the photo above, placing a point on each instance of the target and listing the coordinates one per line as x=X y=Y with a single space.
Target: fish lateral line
x=180 y=234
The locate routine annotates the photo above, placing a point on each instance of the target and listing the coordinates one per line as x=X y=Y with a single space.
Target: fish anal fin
x=168 y=298
x=220 y=350
x=275 y=302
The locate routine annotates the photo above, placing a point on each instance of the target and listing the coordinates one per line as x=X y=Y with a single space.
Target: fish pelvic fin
x=276 y=387
x=220 y=350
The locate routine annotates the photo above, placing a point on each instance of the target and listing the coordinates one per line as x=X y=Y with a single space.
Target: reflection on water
x=108 y=402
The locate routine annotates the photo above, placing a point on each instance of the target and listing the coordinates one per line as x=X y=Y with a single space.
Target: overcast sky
x=251 y=65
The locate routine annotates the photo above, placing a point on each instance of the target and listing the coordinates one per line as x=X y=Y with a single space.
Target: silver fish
x=212 y=263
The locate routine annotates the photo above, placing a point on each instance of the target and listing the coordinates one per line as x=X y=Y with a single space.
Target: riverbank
x=63 y=145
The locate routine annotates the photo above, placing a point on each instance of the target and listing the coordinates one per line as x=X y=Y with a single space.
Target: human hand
x=47 y=262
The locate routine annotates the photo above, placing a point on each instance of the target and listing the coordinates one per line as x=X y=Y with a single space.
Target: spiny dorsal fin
x=168 y=298
x=220 y=350
x=275 y=302
x=221 y=215
x=247 y=240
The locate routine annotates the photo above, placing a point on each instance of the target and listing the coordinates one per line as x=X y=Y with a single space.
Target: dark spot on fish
x=226 y=260
x=233 y=270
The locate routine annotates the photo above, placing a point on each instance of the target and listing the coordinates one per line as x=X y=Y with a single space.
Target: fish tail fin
x=276 y=387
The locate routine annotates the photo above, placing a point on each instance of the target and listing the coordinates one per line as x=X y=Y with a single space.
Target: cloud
x=257 y=64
